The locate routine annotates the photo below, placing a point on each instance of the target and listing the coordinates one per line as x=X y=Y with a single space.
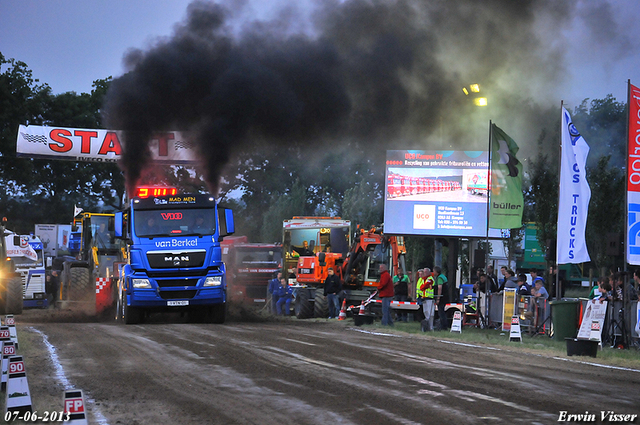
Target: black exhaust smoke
x=378 y=74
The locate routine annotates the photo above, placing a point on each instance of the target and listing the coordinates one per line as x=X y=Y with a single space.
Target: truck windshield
x=102 y=237
x=172 y=222
x=334 y=239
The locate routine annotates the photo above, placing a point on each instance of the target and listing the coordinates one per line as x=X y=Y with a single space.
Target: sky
x=533 y=54
x=70 y=43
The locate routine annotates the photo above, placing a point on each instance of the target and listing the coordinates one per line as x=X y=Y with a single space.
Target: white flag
x=573 y=203
x=76 y=210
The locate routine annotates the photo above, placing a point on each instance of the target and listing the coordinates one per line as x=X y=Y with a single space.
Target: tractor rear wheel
x=320 y=305
x=303 y=307
x=80 y=284
x=13 y=296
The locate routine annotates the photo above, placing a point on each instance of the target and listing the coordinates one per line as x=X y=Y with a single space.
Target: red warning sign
x=16 y=367
x=8 y=350
x=74 y=405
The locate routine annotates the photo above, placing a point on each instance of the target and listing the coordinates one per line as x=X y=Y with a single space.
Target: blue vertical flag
x=573 y=201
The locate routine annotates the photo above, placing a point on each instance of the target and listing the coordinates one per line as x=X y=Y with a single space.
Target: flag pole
x=558 y=289
x=487 y=285
x=625 y=213
x=626 y=302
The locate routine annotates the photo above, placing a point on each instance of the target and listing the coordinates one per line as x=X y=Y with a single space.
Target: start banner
x=97 y=145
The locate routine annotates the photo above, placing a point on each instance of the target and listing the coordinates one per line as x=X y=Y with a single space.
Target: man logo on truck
x=176 y=260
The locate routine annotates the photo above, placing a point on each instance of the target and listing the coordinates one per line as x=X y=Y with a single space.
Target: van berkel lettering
x=177 y=243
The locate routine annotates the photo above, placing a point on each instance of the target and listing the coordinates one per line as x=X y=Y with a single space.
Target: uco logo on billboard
x=424 y=216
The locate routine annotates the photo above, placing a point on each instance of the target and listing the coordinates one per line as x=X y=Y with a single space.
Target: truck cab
x=174 y=257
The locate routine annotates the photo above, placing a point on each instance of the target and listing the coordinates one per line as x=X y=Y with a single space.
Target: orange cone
x=362 y=313
x=343 y=310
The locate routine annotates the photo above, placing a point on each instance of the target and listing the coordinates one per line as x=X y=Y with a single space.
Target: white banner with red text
x=97 y=145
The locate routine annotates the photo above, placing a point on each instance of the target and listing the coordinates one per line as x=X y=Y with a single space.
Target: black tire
x=131 y=315
x=303 y=307
x=14 y=296
x=4 y=285
x=320 y=305
x=80 y=284
x=218 y=313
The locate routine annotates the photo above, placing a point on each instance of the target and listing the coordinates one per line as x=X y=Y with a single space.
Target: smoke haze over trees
x=369 y=75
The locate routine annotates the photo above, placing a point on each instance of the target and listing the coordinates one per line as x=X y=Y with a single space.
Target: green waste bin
x=564 y=316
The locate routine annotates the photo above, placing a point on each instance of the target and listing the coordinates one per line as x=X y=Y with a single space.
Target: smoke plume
x=379 y=74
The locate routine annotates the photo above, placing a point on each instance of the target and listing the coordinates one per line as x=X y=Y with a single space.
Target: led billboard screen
x=436 y=193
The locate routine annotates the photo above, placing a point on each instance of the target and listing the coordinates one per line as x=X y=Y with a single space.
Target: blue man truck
x=174 y=259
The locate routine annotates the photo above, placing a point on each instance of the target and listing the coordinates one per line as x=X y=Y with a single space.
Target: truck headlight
x=141 y=283
x=213 y=281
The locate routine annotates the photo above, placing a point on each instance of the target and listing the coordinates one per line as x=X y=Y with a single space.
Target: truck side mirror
x=226 y=223
x=231 y=226
x=117 y=224
x=16 y=240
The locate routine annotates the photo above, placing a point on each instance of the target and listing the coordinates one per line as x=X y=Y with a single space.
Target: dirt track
x=304 y=372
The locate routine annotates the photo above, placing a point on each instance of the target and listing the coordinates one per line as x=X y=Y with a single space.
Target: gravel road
x=304 y=372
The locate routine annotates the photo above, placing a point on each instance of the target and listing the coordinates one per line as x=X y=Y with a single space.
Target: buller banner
x=91 y=145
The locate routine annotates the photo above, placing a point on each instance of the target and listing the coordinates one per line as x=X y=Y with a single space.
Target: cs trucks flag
x=507 y=202
x=573 y=202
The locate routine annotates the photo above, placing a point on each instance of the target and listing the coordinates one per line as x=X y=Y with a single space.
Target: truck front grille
x=171 y=283
x=177 y=259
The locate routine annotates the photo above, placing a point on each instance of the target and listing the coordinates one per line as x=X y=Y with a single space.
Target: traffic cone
x=343 y=310
x=362 y=313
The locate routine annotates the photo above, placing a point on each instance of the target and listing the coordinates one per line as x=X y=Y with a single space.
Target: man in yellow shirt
x=427 y=290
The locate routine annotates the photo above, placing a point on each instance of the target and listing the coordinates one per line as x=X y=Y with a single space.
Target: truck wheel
x=13 y=296
x=303 y=308
x=80 y=284
x=321 y=305
x=131 y=315
x=218 y=313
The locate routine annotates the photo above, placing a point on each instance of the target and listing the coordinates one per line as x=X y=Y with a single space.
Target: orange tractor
x=329 y=244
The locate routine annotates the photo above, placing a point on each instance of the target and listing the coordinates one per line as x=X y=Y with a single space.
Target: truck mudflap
x=104 y=294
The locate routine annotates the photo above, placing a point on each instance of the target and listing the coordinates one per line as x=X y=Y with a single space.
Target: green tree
x=605 y=211
x=283 y=206
x=541 y=196
x=54 y=186
x=363 y=204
